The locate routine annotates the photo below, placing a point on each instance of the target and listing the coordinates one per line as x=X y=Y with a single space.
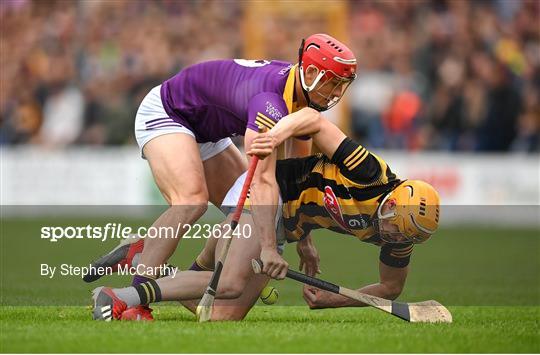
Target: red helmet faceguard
x=336 y=66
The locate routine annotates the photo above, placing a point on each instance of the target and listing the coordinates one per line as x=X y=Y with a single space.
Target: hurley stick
x=427 y=311
x=204 y=309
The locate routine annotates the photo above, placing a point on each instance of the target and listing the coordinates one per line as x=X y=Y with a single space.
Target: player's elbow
x=315 y=117
x=313 y=121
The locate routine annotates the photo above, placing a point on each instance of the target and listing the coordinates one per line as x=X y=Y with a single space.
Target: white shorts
x=152 y=121
x=231 y=200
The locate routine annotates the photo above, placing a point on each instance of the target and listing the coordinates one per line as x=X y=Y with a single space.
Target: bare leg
x=182 y=179
x=221 y=172
x=178 y=172
x=186 y=285
x=236 y=276
x=236 y=309
x=237 y=272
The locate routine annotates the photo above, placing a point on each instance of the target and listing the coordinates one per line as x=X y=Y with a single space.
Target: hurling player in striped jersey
x=345 y=189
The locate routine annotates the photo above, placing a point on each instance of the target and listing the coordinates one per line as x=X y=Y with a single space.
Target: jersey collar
x=288 y=93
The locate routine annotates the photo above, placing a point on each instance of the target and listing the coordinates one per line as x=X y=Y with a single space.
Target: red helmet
x=332 y=58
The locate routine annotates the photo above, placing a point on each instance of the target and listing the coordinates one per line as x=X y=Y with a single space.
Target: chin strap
x=317 y=107
x=301 y=74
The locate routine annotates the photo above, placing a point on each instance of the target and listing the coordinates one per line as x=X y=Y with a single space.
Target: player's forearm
x=264 y=199
x=264 y=195
x=301 y=123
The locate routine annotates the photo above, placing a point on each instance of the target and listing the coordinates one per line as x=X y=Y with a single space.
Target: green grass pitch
x=487 y=277
x=271 y=329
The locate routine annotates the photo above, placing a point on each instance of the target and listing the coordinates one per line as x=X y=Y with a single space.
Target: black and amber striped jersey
x=341 y=194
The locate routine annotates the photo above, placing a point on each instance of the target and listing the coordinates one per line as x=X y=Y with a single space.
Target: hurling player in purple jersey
x=183 y=128
x=345 y=189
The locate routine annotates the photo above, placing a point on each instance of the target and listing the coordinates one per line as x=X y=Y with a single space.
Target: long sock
x=139 y=279
x=141 y=294
x=195 y=267
x=128 y=295
x=149 y=292
x=199 y=266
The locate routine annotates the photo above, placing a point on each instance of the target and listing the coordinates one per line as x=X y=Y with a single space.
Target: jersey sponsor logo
x=332 y=206
x=285 y=70
x=273 y=111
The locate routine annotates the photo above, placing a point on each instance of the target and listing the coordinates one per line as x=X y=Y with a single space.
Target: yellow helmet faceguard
x=414 y=210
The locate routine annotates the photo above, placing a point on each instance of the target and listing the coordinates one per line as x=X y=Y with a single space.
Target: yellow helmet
x=413 y=207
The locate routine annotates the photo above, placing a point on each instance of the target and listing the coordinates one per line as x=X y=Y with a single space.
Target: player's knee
x=198 y=200
x=195 y=208
x=393 y=291
x=230 y=290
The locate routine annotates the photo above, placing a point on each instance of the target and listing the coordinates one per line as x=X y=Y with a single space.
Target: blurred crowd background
x=433 y=75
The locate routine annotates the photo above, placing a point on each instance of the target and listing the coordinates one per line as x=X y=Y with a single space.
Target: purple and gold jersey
x=222 y=98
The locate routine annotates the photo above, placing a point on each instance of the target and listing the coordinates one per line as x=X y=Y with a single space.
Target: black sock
x=149 y=292
x=198 y=266
x=139 y=279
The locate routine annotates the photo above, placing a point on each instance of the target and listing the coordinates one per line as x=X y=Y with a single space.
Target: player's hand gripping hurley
x=204 y=309
x=427 y=311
